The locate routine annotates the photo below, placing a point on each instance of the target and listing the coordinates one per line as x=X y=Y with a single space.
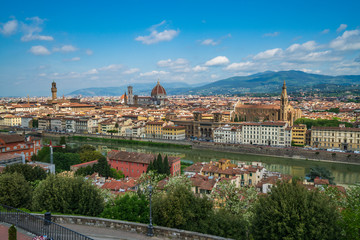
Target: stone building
x=261 y=112
x=157 y=97
x=336 y=138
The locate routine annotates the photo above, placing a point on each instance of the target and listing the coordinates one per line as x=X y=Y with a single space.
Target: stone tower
x=130 y=96
x=53 y=90
x=284 y=103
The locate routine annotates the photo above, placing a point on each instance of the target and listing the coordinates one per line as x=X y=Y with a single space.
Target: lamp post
x=150 y=232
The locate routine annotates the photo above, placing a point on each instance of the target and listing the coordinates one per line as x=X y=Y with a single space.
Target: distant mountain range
x=266 y=82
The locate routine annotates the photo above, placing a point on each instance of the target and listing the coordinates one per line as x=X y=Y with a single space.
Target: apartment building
x=267 y=133
x=336 y=138
x=299 y=134
x=173 y=132
x=228 y=134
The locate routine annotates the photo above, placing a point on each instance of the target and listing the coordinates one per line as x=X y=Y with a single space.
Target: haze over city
x=93 y=44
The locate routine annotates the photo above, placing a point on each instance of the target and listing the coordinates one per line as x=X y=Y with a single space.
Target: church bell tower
x=53 y=90
x=284 y=104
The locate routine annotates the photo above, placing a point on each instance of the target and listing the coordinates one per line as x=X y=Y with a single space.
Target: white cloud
x=9 y=27
x=325 y=31
x=273 y=34
x=349 y=40
x=74 y=59
x=92 y=71
x=199 y=68
x=112 y=67
x=213 y=76
x=39 y=50
x=42 y=74
x=65 y=49
x=219 y=60
x=209 y=42
x=131 y=71
x=271 y=53
x=178 y=65
x=30 y=37
x=31 y=31
x=308 y=46
x=152 y=73
x=341 y=28
x=89 y=52
x=241 y=66
x=155 y=36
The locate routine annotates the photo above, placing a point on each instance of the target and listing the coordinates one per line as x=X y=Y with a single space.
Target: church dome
x=158 y=90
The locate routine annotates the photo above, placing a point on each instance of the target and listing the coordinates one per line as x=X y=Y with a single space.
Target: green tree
x=84 y=171
x=117 y=174
x=68 y=195
x=15 y=191
x=351 y=214
x=166 y=166
x=235 y=200
x=63 y=161
x=320 y=172
x=29 y=172
x=86 y=148
x=35 y=123
x=129 y=207
x=88 y=156
x=291 y=211
x=62 y=141
x=151 y=166
x=236 y=118
x=42 y=156
x=102 y=167
x=12 y=232
x=178 y=207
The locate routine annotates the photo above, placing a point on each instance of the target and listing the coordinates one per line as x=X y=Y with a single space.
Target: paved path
x=100 y=233
x=21 y=235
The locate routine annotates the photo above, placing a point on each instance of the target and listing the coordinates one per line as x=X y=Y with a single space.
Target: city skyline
x=85 y=44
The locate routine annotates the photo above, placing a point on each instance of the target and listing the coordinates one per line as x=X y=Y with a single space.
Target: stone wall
x=289 y=152
x=132 y=227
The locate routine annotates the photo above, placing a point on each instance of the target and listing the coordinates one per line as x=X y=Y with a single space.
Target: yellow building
x=11 y=120
x=173 y=132
x=336 y=138
x=154 y=129
x=299 y=134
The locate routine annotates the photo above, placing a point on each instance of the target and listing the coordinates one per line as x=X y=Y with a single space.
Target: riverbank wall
x=288 y=152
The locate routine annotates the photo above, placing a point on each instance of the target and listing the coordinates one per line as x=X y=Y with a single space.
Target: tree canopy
x=68 y=195
x=291 y=211
x=29 y=172
x=15 y=191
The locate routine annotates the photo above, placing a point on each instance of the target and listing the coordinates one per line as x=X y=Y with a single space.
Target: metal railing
x=37 y=225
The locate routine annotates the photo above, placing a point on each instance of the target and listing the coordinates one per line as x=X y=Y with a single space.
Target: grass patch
x=129 y=142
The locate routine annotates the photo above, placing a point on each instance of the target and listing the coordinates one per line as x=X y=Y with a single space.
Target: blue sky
x=82 y=44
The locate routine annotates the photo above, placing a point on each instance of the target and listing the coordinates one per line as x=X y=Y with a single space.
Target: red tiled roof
x=135 y=157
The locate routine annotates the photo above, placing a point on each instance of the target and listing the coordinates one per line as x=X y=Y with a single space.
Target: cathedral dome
x=158 y=90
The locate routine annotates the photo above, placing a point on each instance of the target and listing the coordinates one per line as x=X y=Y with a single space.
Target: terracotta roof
x=337 y=129
x=196 y=167
x=135 y=157
x=321 y=181
x=11 y=138
x=257 y=106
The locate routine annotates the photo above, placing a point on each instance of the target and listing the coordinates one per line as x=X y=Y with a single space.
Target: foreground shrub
x=15 y=191
x=129 y=207
x=68 y=195
x=291 y=211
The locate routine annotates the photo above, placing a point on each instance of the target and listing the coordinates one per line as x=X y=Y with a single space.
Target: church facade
x=260 y=113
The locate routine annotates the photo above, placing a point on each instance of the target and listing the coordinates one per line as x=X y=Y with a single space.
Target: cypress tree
x=159 y=164
x=151 y=166
x=166 y=166
x=236 y=118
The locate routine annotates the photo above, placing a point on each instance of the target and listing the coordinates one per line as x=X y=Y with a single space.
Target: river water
x=343 y=173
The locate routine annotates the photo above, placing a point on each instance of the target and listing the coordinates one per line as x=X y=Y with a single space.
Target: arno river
x=343 y=173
